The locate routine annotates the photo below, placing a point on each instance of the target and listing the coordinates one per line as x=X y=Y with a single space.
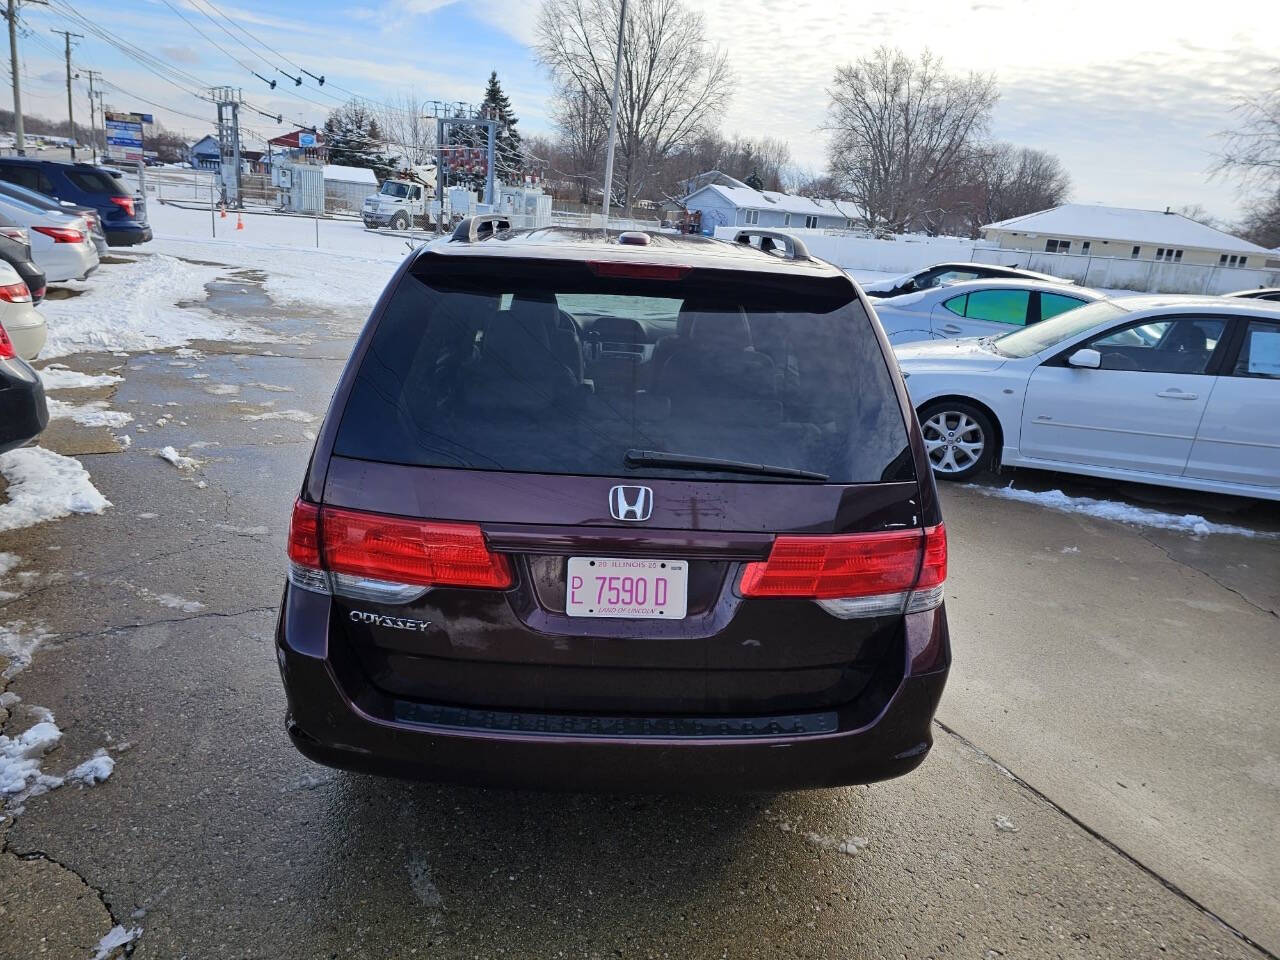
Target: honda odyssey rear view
x=628 y=512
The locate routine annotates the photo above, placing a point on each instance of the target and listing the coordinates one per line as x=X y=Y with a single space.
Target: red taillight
x=6 y=345
x=15 y=293
x=905 y=567
x=638 y=271
x=124 y=203
x=394 y=549
x=304 y=534
x=61 y=234
x=16 y=234
x=38 y=293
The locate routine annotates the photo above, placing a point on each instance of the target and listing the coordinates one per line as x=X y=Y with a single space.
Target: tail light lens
x=62 y=234
x=389 y=559
x=638 y=271
x=6 y=345
x=124 y=203
x=38 y=293
x=15 y=233
x=15 y=293
x=855 y=575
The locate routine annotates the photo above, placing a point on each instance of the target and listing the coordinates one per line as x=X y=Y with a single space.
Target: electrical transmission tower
x=228 y=100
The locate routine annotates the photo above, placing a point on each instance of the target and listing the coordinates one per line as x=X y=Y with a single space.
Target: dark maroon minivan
x=634 y=511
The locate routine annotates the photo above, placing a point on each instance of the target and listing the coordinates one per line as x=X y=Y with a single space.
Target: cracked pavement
x=1104 y=782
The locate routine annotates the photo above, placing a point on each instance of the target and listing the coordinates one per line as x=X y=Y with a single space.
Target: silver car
x=61 y=243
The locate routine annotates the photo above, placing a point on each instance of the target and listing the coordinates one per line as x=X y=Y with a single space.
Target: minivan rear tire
x=959 y=437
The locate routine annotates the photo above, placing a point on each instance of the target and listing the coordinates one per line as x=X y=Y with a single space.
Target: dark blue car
x=123 y=215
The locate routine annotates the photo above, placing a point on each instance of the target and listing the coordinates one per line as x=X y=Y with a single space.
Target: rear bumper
x=28 y=340
x=23 y=412
x=336 y=725
x=127 y=236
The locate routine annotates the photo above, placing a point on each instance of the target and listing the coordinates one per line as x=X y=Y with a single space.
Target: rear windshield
x=96 y=181
x=544 y=367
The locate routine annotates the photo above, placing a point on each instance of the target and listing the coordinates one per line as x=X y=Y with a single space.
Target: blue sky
x=1130 y=94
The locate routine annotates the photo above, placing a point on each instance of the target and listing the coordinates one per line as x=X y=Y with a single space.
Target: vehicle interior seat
x=517 y=368
x=714 y=361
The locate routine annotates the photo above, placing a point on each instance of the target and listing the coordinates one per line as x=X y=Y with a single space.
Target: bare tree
x=1261 y=225
x=738 y=157
x=674 y=82
x=406 y=127
x=900 y=129
x=582 y=124
x=1002 y=180
x=1252 y=153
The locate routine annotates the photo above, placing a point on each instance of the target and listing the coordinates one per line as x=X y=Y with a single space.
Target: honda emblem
x=631 y=503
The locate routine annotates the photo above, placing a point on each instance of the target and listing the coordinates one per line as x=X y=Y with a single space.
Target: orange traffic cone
x=239 y=221
x=223 y=208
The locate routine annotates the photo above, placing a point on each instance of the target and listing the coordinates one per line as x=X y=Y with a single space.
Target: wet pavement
x=1104 y=781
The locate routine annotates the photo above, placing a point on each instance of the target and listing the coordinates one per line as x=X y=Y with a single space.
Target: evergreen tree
x=754 y=181
x=354 y=139
x=509 y=155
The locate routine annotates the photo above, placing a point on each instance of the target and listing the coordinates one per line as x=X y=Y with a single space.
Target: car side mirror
x=1087 y=358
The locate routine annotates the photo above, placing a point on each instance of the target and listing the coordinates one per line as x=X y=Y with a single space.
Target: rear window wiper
x=686 y=461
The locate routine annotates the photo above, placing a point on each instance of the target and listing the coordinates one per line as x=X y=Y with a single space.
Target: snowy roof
x=334 y=171
x=745 y=198
x=1121 y=223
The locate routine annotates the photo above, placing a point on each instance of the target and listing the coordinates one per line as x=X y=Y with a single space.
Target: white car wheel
x=957 y=438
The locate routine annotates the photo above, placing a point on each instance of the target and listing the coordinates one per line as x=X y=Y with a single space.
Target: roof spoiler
x=793 y=247
x=480 y=227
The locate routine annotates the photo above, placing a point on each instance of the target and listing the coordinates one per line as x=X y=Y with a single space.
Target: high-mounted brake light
x=15 y=293
x=6 y=345
x=124 y=203
x=639 y=271
x=61 y=234
x=853 y=575
x=391 y=559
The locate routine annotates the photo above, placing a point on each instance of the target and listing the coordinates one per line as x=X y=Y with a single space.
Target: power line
x=218 y=45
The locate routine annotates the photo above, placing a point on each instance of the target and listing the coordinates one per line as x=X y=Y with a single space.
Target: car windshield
x=544 y=367
x=392 y=189
x=1048 y=333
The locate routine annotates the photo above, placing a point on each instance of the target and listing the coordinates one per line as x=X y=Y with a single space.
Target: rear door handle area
x=950 y=328
x=1173 y=393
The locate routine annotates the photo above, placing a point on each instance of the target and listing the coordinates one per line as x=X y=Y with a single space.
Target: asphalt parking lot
x=1105 y=780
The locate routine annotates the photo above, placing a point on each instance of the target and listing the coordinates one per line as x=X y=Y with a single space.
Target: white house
x=1098 y=231
x=738 y=205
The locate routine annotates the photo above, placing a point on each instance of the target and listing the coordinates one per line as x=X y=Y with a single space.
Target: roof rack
x=793 y=247
x=480 y=227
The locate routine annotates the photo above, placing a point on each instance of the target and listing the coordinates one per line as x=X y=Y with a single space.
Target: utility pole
x=228 y=100
x=93 y=122
x=71 y=117
x=613 y=115
x=18 y=136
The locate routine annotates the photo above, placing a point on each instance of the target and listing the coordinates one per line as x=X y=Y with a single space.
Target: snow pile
x=116 y=938
x=20 y=758
x=18 y=644
x=57 y=377
x=297 y=416
x=91 y=414
x=1114 y=510
x=177 y=459
x=44 y=485
x=135 y=307
x=7 y=562
x=94 y=770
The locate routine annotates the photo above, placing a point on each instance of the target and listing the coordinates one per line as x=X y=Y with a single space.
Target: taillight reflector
x=15 y=293
x=6 y=345
x=396 y=550
x=639 y=271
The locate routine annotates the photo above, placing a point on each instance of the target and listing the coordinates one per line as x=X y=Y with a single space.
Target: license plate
x=628 y=588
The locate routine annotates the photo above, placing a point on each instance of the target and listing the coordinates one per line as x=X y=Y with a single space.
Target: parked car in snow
x=23 y=410
x=19 y=315
x=35 y=199
x=15 y=250
x=60 y=242
x=940 y=273
x=976 y=308
x=123 y=214
x=698 y=450
x=1258 y=293
x=1177 y=391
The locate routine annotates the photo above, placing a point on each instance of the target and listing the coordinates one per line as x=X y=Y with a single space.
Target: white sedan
x=976 y=308
x=1178 y=391
x=18 y=315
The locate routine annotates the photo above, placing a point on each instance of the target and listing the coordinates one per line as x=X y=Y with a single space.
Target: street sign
x=124 y=134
